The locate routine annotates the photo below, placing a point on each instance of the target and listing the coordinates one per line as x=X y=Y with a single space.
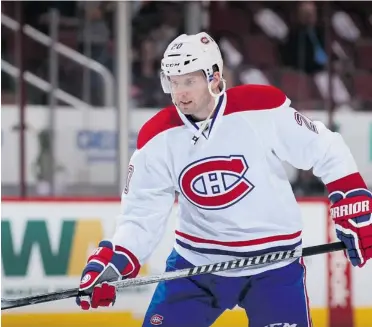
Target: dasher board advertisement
x=45 y=245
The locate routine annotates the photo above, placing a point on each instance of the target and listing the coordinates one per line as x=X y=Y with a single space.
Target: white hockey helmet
x=191 y=53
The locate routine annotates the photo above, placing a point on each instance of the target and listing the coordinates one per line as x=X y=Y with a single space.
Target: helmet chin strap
x=204 y=126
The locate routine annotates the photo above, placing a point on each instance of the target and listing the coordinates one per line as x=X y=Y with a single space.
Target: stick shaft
x=182 y=273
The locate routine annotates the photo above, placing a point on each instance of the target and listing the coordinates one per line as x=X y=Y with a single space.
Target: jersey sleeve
x=147 y=201
x=307 y=144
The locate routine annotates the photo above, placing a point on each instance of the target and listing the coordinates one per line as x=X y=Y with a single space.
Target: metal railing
x=43 y=85
x=44 y=39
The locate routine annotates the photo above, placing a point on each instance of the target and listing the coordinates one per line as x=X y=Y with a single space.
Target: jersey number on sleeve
x=301 y=119
x=129 y=176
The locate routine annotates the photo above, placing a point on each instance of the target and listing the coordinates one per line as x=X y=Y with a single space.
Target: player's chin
x=186 y=109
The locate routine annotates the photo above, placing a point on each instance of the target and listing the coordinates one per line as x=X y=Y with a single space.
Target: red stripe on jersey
x=240 y=243
x=347 y=183
x=253 y=97
x=165 y=119
x=132 y=270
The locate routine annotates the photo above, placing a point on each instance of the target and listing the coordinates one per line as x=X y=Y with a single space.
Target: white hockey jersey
x=234 y=196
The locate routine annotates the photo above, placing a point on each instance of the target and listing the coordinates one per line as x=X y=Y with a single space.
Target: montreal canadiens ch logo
x=215 y=182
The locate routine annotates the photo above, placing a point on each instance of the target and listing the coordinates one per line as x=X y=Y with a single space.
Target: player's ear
x=216 y=80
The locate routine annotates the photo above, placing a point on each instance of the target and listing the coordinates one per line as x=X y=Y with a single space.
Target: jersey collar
x=218 y=112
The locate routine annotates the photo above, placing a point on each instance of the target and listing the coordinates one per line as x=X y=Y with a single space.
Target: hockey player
x=222 y=151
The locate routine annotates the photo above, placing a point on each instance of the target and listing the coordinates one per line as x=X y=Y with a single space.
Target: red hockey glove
x=107 y=263
x=352 y=215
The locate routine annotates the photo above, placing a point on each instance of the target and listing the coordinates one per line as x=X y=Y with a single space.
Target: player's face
x=190 y=92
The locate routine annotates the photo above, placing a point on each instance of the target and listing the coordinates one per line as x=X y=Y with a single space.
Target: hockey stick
x=188 y=272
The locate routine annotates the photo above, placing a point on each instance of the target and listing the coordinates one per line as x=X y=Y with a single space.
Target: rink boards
x=86 y=142
x=45 y=245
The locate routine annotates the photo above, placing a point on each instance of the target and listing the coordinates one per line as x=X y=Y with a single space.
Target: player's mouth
x=185 y=103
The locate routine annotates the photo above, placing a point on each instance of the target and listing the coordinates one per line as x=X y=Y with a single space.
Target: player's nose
x=183 y=95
